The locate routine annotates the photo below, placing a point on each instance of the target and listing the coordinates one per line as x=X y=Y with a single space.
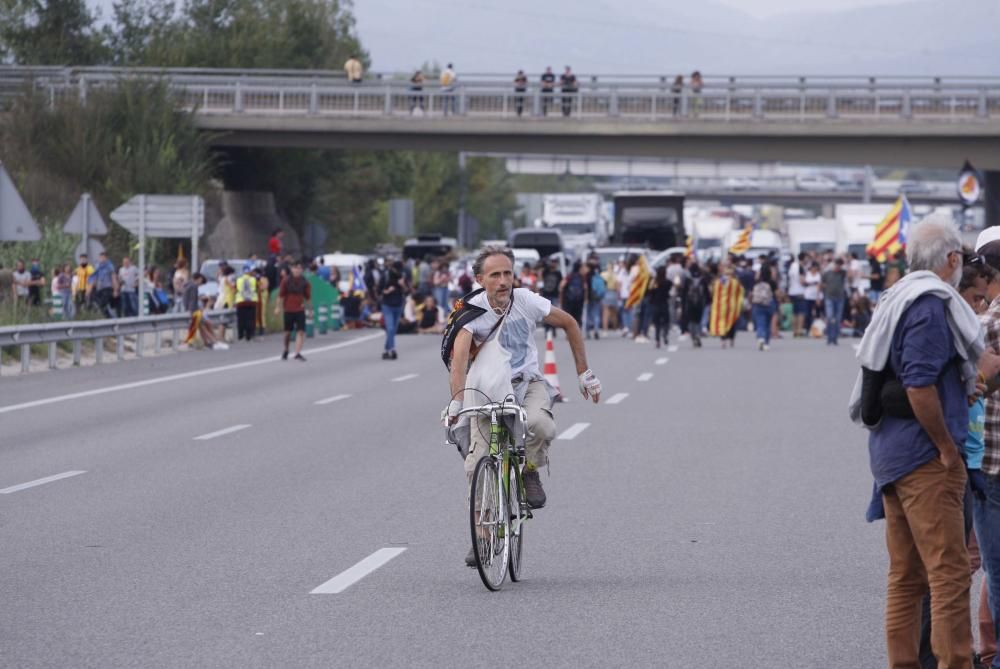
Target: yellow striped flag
x=727 y=305
x=742 y=244
x=689 y=247
x=890 y=234
x=638 y=288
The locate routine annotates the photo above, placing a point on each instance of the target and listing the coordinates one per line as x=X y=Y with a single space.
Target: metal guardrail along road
x=24 y=336
x=491 y=96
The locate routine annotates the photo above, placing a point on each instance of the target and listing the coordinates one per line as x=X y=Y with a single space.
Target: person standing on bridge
x=567 y=84
x=520 y=87
x=354 y=70
x=676 y=92
x=548 y=88
x=448 y=81
x=696 y=86
x=506 y=317
x=417 y=87
x=923 y=346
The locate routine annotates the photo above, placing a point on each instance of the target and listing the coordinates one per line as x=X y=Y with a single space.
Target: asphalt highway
x=181 y=511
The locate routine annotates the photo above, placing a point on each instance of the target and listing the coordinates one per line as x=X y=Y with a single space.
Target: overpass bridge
x=905 y=121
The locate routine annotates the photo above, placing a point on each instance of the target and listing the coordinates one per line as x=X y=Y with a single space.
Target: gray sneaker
x=533 y=491
x=470 y=559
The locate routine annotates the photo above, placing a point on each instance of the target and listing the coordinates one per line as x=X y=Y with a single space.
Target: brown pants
x=925 y=535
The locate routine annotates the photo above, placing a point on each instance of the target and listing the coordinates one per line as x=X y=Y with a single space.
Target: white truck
x=762 y=243
x=811 y=234
x=581 y=219
x=709 y=231
x=856 y=225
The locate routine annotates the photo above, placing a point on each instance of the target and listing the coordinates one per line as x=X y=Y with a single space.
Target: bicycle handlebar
x=500 y=408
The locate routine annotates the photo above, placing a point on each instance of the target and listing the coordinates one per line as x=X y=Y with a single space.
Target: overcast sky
x=885 y=37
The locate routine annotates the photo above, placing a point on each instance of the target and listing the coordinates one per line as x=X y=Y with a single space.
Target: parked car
x=345 y=264
x=815 y=183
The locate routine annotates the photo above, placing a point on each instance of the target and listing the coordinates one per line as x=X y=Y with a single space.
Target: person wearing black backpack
x=598 y=290
x=574 y=292
x=549 y=287
x=695 y=298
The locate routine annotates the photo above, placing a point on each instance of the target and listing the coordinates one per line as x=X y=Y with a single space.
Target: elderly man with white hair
x=919 y=363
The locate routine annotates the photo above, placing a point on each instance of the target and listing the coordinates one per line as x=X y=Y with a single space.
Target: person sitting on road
x=199 y=324
x=431 y=319
x=509 y=316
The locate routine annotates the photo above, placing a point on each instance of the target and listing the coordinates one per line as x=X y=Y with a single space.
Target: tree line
x=132 y=139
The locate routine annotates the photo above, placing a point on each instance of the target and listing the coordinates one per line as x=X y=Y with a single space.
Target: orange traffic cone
x=551 y=375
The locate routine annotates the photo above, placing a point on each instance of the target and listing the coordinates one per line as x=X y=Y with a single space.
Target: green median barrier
x=323 y=295
x=55 y=306
x=322 y=317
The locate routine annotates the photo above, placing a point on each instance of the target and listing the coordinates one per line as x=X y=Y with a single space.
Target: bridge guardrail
x=24 y=336
x=637 y=97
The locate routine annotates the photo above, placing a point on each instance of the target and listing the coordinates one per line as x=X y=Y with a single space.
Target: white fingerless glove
x=590 y=385
x=450 y=411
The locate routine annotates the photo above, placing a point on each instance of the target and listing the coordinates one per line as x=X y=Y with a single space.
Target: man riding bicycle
x=509 y=316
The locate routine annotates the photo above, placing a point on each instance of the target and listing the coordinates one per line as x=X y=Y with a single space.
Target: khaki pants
x=925 y=535
x=541 y=430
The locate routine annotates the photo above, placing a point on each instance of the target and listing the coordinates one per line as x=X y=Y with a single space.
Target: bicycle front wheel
x=488 y=514
x=516 y=504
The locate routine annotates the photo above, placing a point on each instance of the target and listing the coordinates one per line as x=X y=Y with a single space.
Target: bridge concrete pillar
x=991 y=196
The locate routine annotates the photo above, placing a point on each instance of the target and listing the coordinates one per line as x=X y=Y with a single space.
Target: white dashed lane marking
x=37 y=482
x=662 y=361
x=616 y=399
x=672 y=349
x=331 y=400
x=405 y=377
x=645 y=376
x=222 y=432
x=346 y=579
x=574 y=431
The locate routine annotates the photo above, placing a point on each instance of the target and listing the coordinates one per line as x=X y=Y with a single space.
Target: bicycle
x=497 y=503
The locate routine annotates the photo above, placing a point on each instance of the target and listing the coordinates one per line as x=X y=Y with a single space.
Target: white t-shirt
x=812 y=285
x=517 y=331
x=795 y=288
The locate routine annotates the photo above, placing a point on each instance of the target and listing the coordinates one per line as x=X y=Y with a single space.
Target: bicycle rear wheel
x=515 y=502
x=488 y=519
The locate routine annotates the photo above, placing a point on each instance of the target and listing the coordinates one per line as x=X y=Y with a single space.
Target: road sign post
x=170 y=216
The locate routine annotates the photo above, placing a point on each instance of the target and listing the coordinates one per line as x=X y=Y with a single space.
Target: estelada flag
x=890 y=234
x=727 y=305
x=689 y=247
x=742 y=243
x=638 y=288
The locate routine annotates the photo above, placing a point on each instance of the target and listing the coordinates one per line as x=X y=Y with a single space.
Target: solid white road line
x=32 y=484
x=574 y=431
x=176 y=377
x=662 y=361
x=219 y=433
x=346 y=579
x=616 y=399
x=405 y=377
x=672 y=348
x=331 y=400
x=645 y=376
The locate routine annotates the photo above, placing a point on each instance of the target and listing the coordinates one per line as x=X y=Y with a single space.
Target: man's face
x=83 y=261
x=497 y=278
x=20 y=265
x=975 y=295
x=126 y=262
x=297 y=271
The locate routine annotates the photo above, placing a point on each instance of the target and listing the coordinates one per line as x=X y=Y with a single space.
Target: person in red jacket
x=296 y=296
x=274 y=243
